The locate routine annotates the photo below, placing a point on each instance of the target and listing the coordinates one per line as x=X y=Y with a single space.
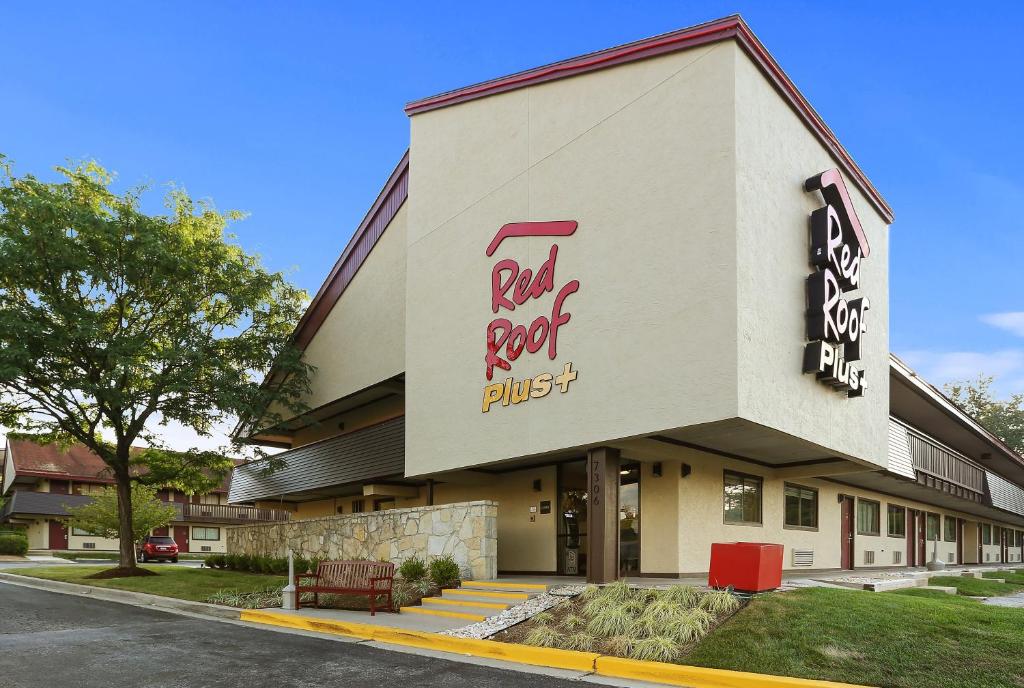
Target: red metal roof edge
x=333 y=287
x=731 y=27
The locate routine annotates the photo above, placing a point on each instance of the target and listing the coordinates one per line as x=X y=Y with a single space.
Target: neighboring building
x=653 y=268
x=41 y=481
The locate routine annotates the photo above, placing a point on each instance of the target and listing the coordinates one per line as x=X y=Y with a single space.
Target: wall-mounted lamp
x=656 y=469
x=537 y=485
x=685 y=469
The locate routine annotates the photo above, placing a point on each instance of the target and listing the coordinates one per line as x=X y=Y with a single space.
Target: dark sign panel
x=836 y=319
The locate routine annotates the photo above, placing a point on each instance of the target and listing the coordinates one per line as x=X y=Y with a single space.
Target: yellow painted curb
x=465 y=603
x=443 y=612
x=501 y=586
x=672 y=674
x=486 y=593
x=701 y=677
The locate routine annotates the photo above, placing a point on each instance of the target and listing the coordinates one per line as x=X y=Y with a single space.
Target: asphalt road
x=51 y=640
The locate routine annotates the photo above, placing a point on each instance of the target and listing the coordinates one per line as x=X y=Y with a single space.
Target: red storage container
x=746 y=566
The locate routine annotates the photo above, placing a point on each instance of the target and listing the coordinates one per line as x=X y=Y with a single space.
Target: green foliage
x=543 y=617
x=101 y=516
x=248 y=599
x=1003 y=418
x=116 y=321
x=413 y=569
x=657 y=648
x=683 y=594
x=582 y=642
x=543 y=636
x=13 y=544
x=619 y=645
x=444 y=571
x=215 y=561
x=615 y=619
x=719 y=602
x=571 y=622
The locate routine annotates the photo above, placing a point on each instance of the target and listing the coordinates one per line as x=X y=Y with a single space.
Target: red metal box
x=746 y=566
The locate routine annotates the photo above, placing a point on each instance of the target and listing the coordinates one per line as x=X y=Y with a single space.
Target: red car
x=157 y=547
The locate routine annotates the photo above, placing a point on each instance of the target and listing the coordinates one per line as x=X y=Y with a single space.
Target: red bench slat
x=371 y=578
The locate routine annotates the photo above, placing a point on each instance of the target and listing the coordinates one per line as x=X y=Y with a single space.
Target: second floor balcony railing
x=228 y=513
x=938 y=467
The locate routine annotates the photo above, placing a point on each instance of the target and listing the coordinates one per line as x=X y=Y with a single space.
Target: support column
x=602 y=515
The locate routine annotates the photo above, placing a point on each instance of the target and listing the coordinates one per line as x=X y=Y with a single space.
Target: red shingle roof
x=77 y=462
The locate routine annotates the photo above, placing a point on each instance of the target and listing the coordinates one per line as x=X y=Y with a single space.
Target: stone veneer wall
x=466 y=530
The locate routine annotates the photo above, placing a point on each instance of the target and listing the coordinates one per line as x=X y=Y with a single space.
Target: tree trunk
x=124 y=515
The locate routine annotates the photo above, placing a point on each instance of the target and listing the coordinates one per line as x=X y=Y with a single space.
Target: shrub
x=611 y=620
x=413 y=569
x=543 y=636
x=13 y=544
x=582 y=642
x=301 y=565
x=444 y=571
x=655 y=649
x=719 y=602
x=255 y=599
x=215 y=561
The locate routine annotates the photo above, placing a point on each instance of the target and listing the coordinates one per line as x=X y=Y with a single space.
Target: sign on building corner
x=836 y=323
x=513 y=286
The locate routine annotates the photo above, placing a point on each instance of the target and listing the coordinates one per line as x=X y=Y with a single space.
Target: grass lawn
x=1016 y=577
x=173 y=581
x=893 y=640
x=978 y=587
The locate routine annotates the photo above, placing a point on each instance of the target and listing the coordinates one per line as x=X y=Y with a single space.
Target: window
x=1009 y=537
x=986 y=534
x=384 y=504
x=897 y=521
x=1020 y=538
x=742 y=498
x=868 y=513
x=932 y=527
x=997 y=535
x=201 y=533
x=79 y=531
x=801 y=506
x=950 y=526
x=357 y=506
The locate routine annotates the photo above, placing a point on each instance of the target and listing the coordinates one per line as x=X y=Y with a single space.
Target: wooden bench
x=371 y=578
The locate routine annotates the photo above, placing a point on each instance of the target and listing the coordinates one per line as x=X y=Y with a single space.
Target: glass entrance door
x=629 y=519
x=572 y=518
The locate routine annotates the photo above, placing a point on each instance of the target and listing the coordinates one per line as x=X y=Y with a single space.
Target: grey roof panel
x=44 y=503
x=371 y=453
x=900 y=460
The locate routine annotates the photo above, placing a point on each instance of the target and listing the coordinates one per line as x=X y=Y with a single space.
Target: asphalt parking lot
x=49 y=639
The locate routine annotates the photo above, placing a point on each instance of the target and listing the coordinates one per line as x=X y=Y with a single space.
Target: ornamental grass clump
x=625 y=621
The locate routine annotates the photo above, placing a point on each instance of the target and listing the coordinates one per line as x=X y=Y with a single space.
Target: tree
x=1004 y=419
x=101 y=516
x=113 y=321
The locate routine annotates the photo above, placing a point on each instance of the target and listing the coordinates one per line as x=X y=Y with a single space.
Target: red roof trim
x=380 y=215
x=732 y=27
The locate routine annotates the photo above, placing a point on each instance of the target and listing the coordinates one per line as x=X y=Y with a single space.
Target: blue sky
x=293 y=112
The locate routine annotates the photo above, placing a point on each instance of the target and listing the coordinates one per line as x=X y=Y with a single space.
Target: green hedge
x=259 y=564
x=13 y=544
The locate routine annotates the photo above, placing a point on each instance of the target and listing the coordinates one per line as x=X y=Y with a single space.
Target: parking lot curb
x=588 y=662
x=139 y=599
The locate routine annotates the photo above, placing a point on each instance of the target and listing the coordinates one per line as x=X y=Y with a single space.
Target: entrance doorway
x=572 y=544
x=571 y=534
x=58 y=535
x=181 y=538
x=629 y=519
x=846 y=533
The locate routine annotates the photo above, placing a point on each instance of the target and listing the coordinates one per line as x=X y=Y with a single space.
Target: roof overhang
x=923 y=406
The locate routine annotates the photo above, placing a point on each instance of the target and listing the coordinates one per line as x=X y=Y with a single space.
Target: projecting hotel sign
x=513 y=286
x=835 y=317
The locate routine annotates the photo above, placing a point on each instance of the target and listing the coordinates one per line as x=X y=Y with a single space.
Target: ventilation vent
x=88 y=545
x=869 y=556
x=988 y=557
x=206 y=548
x=951 y=558
x=897 y=557
x=803 y=557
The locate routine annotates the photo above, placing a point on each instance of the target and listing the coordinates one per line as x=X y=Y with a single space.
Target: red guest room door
x=181 y=538
x=846 y=533
x=58 y=535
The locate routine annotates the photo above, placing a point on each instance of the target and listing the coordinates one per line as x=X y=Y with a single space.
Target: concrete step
x=949 y=590
x=510 y=586
x=487 y=595
x=453 y=614
x=482 y=607
x=895 y=584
